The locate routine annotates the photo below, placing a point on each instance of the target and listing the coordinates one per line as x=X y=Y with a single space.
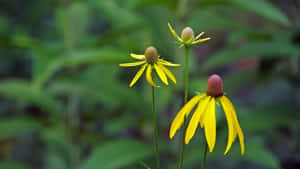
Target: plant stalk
x=186 y=86
x=156 y=149
x=204 y=155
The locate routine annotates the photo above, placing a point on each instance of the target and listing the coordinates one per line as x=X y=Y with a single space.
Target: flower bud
x=214 y=86
x=187 y=34
x=151 y=55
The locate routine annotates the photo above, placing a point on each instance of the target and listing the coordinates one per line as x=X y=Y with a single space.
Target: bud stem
x=186 y=86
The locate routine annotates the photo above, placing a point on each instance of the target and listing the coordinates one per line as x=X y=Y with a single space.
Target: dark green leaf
x=257 y=50
x=13 y=127
x=24 y=92
x=117 y=154
x=13 y=165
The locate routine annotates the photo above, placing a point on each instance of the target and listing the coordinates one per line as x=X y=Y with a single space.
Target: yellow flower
x=187 y=36
x=151 y=60
x=205 y=116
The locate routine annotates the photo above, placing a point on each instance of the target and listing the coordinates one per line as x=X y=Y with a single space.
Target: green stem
x=72 y=117
x=204 y=155
x=155 y=131
x=186 y=86
x=186 y=74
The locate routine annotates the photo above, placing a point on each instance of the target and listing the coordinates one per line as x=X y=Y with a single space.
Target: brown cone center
x=151 y=55
x=214 y=86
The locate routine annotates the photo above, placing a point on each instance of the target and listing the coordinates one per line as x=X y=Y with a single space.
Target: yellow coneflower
x=205 y=116
x=187 y=36
x=150 y=59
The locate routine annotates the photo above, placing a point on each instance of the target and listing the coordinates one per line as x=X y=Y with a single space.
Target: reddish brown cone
x=214 y=86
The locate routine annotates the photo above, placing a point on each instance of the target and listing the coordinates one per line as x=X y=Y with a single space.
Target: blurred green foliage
x=65 y=103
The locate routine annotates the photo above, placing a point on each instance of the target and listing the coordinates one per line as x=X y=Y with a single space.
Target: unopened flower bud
x=214 y=86
x=151 y=55
x=187 y=34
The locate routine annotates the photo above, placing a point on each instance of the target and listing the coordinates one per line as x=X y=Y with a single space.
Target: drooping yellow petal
x=138 y=57
x=210 y=125
x=230 y=123
x=138 y=75
x=166 y=63
x=241 y=139
x=202 y=106
x=149 y=76
x=161 y=74
x=174 y=33
x=237 y=125
x=199 y=35
x=201 y=121
x=200 y=40
x=132 y=64
x=168 y=73
x=184 y=111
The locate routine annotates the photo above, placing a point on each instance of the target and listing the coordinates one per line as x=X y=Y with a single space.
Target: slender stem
x=186 y=86
x=72 y=118
x=186 y=74
x=155 y=131
x=204 y=155
x=73 y=107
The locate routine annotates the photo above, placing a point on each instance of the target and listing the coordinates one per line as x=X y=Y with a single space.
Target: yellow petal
x=241 y=139
x=237 y=125
x=200 y=40
x=132 y=64
x=201 y=121
x=202 y=106
x=184 y=111
x=138 y=75
x=149 y=76
x=161 y=74
x=210 y=125
x=230 y=123
x=168 y=73
x=166 y=63
x=199 y=35
x=138 y=57
x=174 y=33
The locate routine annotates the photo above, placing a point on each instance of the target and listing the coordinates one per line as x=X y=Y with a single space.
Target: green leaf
x=55 y=161
x=115 y=13
x=13 y=165
x=256 y=49
x=263 y=8
x=96 y=56
x=212 y=20
x=24 y=92
x=48 y=71
x=12 y=127
x=256 y=152
x=259 y=7
x=72 y=22
x=269 y=117
x=111 y=93
x=107 y=55
x=117 y=154
x=115 y=126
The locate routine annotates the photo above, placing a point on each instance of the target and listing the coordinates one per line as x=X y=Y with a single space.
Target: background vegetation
x=65 y=103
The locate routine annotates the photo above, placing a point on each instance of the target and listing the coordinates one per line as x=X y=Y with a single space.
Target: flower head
x=187 y=36
x=205 y=115
x=149 y=60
